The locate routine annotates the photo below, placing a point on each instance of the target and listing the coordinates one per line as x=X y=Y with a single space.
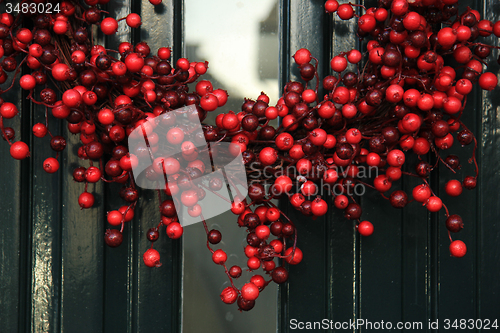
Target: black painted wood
x=56 y=275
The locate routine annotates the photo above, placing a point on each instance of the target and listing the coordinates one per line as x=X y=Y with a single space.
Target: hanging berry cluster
x=404 y=95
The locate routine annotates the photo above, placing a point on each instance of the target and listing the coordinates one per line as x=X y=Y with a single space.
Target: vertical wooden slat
x=488 y=240
x=118 y=275
x=302 y=26
x=459 y=273
x=380 y=266
x=13 y=231
x=415 y=253
x=82 y=250
x=380 y=254
x=157 y=288
x=342 y=238
x=82 y=243
x=46 y=219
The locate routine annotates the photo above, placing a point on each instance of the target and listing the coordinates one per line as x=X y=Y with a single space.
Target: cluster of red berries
x=404 y=96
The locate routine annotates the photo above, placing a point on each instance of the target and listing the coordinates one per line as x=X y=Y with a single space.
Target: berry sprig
x=405 y=95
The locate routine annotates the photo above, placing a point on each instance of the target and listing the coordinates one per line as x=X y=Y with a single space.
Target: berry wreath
x=140 y=119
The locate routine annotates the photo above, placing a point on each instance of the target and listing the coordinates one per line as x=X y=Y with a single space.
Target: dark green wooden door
x=56 y=274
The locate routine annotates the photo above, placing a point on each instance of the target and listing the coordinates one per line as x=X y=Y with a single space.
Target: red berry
x=249 y=291
x=219 y=257
x=109 y=26
x=209 y=102
x=332 y=5
x=174 y=230
x=488 y=81
x=19 y=150
x=128 y=212
x=297 y=199
x=151 y=258
x=434 y=204
x=354 y=56
x=258 y=281
x=345 y=11
x=367 y=23
x=263 y=232
x=319 y=207
x=72 y=98
x=453 y=188
x=341 y=201
x=302 y=56
x=86 y=200
x=339 y=63
x=396 y=158
x=411 y=122
x=317 y=136
x=365 y=228
x=458 y=249
x=268 y=156
x=295 y=258
x=382 y=183
x=8 y=110
x=51 y=165
x=24 y=35
x=133 y=20
x=27 y=82
x=394 y=93
x=115 y=218
x=399 y=7
x=164 y=53
x=411 y=21
x=309 y=189
x=253 y=262
x=229 y=295
x=421 y=193
x=39 y=130
x=134 y=62
x=60 y=27
x=446 y=37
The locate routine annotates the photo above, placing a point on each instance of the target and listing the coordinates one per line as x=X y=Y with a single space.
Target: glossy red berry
x=488 y=81
x=302 y=56
x=249 y=291
x=134 y=62
x=51 y=165
x=133 y=20
x=19 y=150
x=365 y=228
x=345 y=11
x=319 y=207
x=174 y=230
x=219 y=257
x=8 y=110
x=458 y=249
x=294 y=258
x=453 y=188
x=86 y=200
x=421 y=193
x=434 y=204
x=151 y=258
x=268 y=156
x=27 y=82
x=332 y=5
x=109 y=26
